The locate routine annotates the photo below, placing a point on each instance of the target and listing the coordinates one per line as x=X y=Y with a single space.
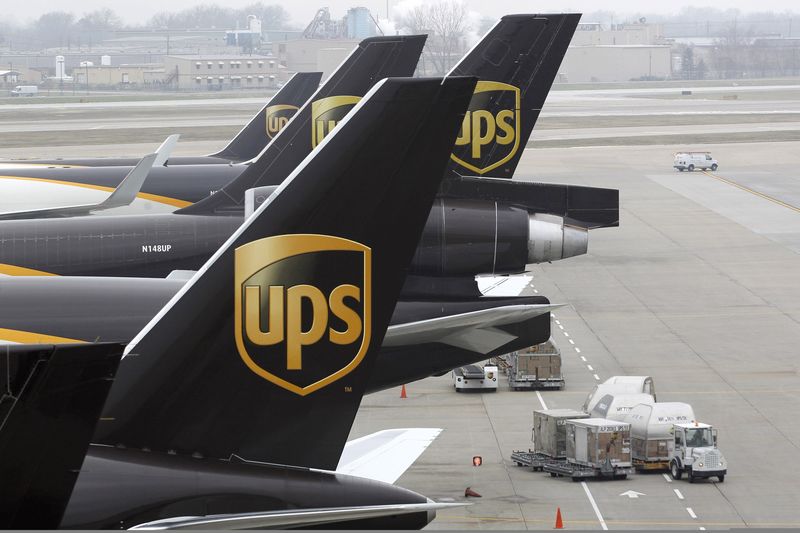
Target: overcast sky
x=301 y=11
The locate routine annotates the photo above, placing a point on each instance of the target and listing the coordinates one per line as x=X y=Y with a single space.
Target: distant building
x=222 y=72
x=360 y=24
x=313 y=55
x=608 y=63
x=120 y=76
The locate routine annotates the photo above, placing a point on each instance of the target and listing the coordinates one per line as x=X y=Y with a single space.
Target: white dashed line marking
x=594 y=506
x=590 y=368
x=565 y=333
x=597 y=377
x=702 y=528
x=571 y=341
x=583 y=359
x=541 y=400
x=562 y=327
x=577 y=349
x=691 y=513
x=534 y=290
x=667 y=478
x=557 y=322
x=678 y=494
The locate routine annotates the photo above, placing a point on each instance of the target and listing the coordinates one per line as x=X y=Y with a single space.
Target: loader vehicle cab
x=696 y=453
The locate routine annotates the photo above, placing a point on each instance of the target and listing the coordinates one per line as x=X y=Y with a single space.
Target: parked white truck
x=692 y=160
x=25 y=90
x=653 y=430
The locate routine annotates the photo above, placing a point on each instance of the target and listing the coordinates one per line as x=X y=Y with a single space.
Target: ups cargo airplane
x=208 y=420
x=516 y=61
x=512 y=226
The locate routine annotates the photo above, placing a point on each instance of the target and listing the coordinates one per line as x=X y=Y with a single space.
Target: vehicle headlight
x=700 y=465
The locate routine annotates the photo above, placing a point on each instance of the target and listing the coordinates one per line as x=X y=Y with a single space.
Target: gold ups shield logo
x=302 y=309
x=488 y=140
x=278 y=116
x=326 y=113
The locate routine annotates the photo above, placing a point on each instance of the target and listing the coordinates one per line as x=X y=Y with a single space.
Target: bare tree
x=445 y=22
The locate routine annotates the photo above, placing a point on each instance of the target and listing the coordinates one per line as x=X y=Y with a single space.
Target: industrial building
x=217 y=72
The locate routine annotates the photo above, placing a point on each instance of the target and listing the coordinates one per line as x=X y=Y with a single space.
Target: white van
x=692 y=160
x=25 y=90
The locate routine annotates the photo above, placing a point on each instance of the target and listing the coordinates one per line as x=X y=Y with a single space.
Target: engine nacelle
x=551 y=239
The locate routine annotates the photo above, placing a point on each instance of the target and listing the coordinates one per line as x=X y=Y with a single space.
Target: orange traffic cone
x=559 y=522
x=471 y=493
x=403 y=392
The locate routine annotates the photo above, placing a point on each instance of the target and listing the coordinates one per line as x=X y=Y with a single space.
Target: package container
x=549 y=431
x=594 y=442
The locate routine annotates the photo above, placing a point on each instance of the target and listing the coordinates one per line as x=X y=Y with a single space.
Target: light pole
x=86 y=65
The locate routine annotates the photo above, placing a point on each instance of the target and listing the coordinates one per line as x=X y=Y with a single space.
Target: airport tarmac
x=698 y=288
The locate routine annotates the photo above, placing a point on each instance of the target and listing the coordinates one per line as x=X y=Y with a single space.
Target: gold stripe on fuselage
x=143 y=195
x=13 y=270
x=29 y=337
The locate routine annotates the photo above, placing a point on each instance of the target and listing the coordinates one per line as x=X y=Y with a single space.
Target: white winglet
x=165 y=150
x=385 y=455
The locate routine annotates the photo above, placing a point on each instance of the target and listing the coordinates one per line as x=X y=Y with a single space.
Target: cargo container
x=596 y=447
x=616 y=406
x=620 y=385
x=537 y=367
x=653 y=432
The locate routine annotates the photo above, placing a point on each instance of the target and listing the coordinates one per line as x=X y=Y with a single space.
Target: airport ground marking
x=577 y=349
x=691 y=513
x=594 y=506
x=678 y=494
x=562 y=327
x=590 y=368
x=752 y=191
x=566 y=334
x=571 y=341
x=541 y=400
x=583 y=359
x=632 y=494
x=596 y=377
x=667 y=478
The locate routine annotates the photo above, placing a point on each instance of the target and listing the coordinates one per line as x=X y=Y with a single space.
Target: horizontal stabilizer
x=459 y=330
x=385 y=455
x=295 y=518
x=590 y=207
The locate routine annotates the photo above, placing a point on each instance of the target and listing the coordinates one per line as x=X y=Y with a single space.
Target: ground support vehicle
x=538 y=367
x=475 y=377
x=696 y=453
x=692 y=160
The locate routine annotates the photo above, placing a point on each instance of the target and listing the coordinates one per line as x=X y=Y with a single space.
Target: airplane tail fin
x=374 y=59
x=516 y=63
x=266 y=124
x=266 y=351
x=50 y=400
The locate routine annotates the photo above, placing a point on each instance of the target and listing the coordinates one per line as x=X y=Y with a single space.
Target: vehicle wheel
x=714 y=167
x=674 y=471
x=691 y=477
x=553 y=474
x=691 y=168
x=576 y=478
x=721 y=478
x=620 y=476
x=680 y=169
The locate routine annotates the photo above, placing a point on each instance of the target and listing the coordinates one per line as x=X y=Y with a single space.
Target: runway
x=698 y=288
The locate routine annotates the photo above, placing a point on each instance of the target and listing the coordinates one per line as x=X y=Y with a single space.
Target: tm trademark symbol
x=348 y=389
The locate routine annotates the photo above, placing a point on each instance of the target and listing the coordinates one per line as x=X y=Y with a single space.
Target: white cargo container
x=616 y=406
x=620 y=385
x=652 y=432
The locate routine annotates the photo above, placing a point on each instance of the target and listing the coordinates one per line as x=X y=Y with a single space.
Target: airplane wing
x=385 y=455
x=123 y=195
x=295 y=518
x=476 y=331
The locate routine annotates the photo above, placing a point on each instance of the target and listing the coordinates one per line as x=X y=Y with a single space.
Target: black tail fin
x=374 y=59
x=516 y=63
x=266 y=124
x=266 y=352
x=50 y=400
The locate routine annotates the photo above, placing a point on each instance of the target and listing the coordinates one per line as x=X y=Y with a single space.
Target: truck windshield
x=699 y=437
